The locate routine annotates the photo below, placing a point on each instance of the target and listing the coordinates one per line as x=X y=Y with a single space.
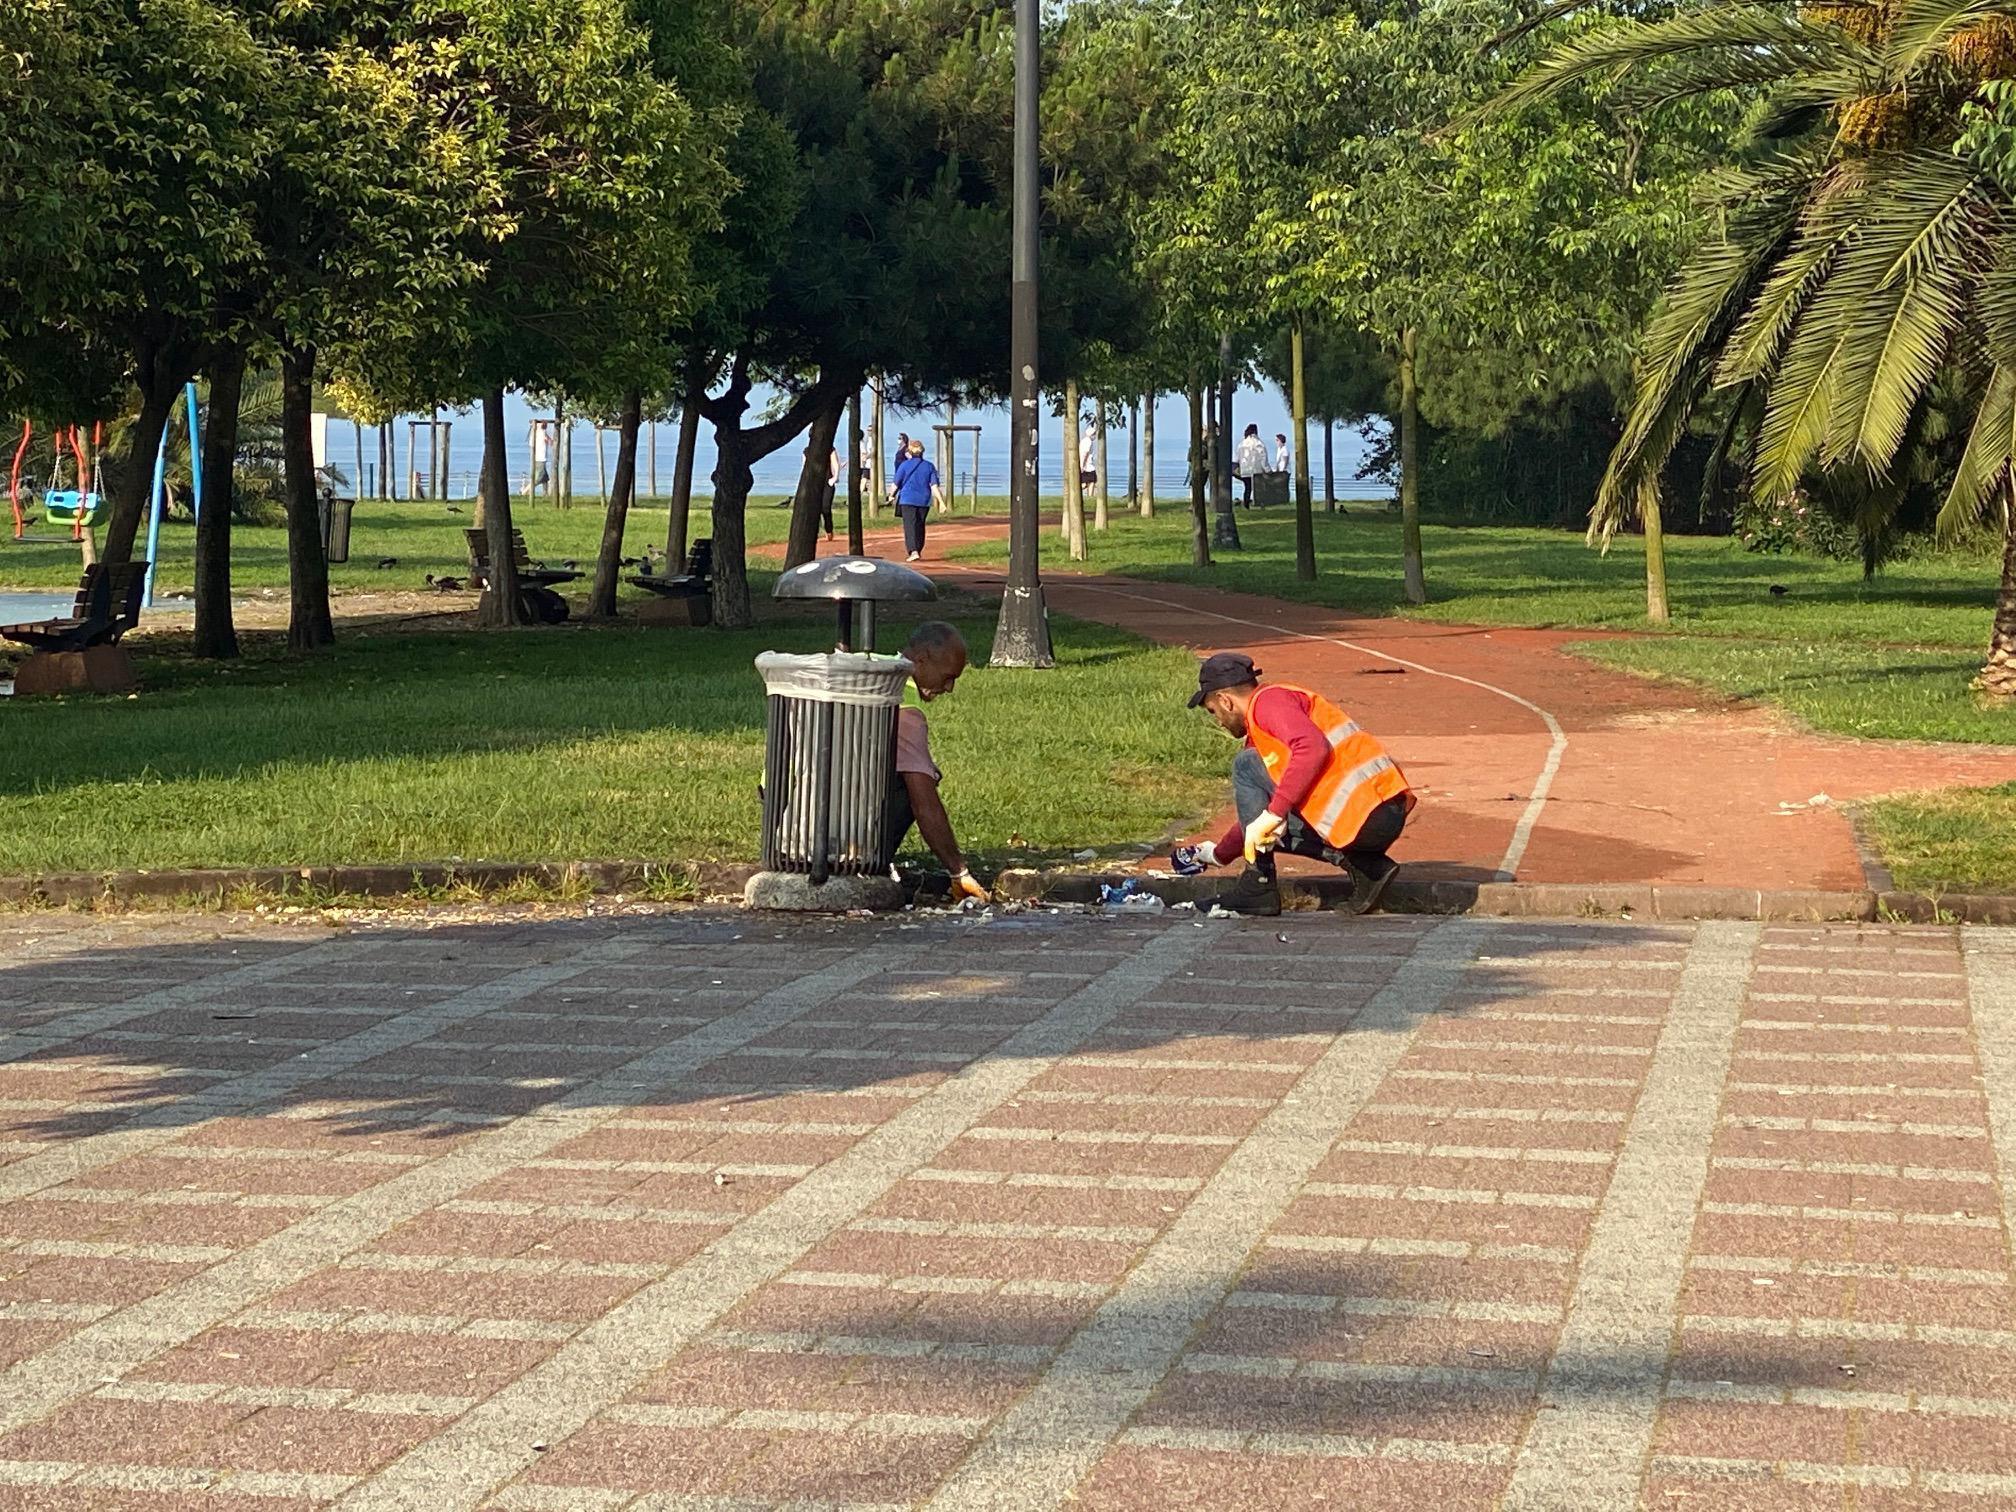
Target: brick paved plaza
x=693 y=1211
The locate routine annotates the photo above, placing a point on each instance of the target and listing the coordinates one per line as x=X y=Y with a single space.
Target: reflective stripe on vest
x=1358 y=777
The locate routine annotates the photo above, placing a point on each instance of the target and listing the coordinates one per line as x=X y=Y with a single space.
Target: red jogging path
x=1534 y=765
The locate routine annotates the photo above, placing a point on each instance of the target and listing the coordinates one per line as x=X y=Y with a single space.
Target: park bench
x=535 y=579
x=684 y=599
x=80 y=651
x=107 y=606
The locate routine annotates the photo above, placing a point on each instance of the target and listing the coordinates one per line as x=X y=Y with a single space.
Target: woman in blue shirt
x=913 y=490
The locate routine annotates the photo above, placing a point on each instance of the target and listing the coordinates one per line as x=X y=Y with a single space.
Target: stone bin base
x=100 y=669
x=793 y=892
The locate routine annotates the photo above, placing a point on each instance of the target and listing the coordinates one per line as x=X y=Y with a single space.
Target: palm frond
x=1692 y=322
x=1893 y=354
x=1984 y=466
x=1802 y=389
x=1789 y=74
x=1921 y=27
x=1995 y=299
x=1751 y=42
x=1825 y=229
x=1919 y=245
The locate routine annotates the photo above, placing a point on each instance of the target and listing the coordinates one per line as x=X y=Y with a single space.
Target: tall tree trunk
x=1134 y=453
x=563 y=435
x=358 y=427
x=850 y=458
x=1305 y=511
x=801 y=541
x=733 y=607
x=216 y=635
x=1653 y=519
x=1101 y=513
x=499 y=607
x=129 y=469
x=1200 y=519
x=384 y=429
x=682 y=472
x=1410 y=473
x=609 y=560
x=1227 y=533
x=1148 y=456
x=1997 y=679
x=1074 y=478
x=309 y=624
x=1329 y=466
x=737 y=449
x=478 y=517
x=601 y=467
x=878 y=484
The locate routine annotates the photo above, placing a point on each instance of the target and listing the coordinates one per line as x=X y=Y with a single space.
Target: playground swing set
x=80 y=505
x=76 y=506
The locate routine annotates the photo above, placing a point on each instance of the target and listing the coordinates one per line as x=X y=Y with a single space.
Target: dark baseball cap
x=1223 y=669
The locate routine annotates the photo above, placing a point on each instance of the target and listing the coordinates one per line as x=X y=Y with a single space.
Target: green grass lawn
x=562 y=744
x=423 y=538
x=1523 y=575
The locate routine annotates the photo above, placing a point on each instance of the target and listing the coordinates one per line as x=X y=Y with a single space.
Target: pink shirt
x=913 y=745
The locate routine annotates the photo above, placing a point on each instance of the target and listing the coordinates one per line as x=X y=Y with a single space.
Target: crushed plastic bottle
x=1127 y=897
x=1185 y=860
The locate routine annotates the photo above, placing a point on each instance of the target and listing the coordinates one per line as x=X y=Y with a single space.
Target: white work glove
x=1207 y=853
x=966 y=885
x=1263 y=834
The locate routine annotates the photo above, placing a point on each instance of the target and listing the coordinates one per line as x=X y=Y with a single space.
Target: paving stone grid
x=707 y=1212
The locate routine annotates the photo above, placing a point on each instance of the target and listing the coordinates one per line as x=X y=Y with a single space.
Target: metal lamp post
x=1022 y=639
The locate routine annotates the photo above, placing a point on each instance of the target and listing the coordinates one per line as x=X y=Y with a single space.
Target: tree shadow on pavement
x=437 y=1033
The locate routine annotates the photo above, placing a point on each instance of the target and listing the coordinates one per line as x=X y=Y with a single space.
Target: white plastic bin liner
x=849 y=677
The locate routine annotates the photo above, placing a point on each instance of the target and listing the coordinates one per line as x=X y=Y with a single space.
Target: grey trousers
x=1252 y=789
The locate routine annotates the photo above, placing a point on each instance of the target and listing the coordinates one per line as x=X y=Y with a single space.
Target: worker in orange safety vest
x=1308 y=781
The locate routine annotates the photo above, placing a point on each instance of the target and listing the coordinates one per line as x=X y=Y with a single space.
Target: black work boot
x=1255 y=892
x=1370 y=875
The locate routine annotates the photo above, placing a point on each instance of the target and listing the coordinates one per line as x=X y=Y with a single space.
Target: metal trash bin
x=336 y=528
x=829 y=752
x=830 y=746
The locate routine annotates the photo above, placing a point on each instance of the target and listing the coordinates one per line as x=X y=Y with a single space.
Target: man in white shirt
x=1284 y=454
x=1088 y=454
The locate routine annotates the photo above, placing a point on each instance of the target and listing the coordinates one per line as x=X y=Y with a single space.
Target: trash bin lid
x=854 y=577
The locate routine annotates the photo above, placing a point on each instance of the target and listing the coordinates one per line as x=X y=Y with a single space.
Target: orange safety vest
x=1357 y=779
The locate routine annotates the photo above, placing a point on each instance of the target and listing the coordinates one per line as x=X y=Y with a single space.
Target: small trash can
x=830 y=745
x=829 y=752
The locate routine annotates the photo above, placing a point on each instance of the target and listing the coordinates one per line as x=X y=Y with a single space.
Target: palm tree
x=1865 y=246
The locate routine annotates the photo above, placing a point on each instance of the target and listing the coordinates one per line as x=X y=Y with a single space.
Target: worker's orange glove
x=966 y=885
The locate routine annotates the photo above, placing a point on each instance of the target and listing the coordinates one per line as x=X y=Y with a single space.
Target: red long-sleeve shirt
x=1284 y=714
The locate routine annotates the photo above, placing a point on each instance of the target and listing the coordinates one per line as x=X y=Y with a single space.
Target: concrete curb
x=209 y=885
x=1554 y=900
x=723 y=879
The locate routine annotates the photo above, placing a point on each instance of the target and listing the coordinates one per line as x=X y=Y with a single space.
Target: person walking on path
x=1250 y=462
x=913 y=491
x=937 y=656
x=1307 y=780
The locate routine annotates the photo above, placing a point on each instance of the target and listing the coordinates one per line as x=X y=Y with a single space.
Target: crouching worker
x=937 y=656
x=1308 y=781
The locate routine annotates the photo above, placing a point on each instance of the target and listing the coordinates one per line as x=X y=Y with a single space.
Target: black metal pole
x=1022 y=638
